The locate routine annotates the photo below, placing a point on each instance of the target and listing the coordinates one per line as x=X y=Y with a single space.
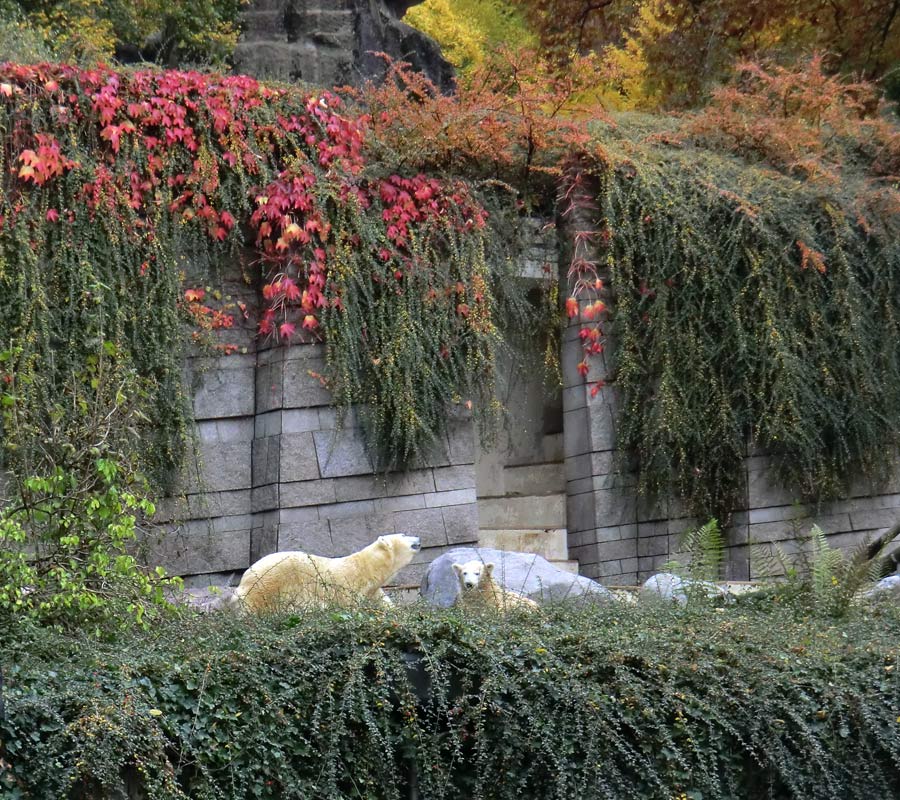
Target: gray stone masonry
x=332 y=42
x=273 y=470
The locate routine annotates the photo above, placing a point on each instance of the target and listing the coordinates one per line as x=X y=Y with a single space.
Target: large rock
x=885 y=588
x=673 y=588
x=525 y=573
x=333 y=42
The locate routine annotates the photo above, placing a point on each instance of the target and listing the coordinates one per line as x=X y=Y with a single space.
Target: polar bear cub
x=477 y=584
x=293 y=579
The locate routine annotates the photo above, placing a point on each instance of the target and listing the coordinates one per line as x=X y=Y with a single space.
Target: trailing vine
x=114 y=182
x=752 y=308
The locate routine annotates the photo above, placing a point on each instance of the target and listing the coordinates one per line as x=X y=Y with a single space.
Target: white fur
x=477 y=585
x=295 y=579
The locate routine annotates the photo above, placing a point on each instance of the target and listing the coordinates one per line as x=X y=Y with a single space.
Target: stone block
x=298 y=458
x=455 y=497
x=267 y=424
x=876 y=503
x=580 y=512
x=607 y=570
x=653 y=546
x=220 y=467
x=264 y=537
x=576 y=435
x=354 y=533
x=341 y=453
x=534 y=479
x=575 y=397
x=629 y=576
x=195 y=548
x=223 y=431
x=869 y=520
x=763 y=487
x=778 y=513
x=461 y=438
x=300 y=420
x=406 y=502
x=618 y=549
x=265 y=459
x=550 y=544
x=302 y=515
x=301 y=389
x=264 y=498
x=223 y=387
x=650 y=564
x=523 y=512
x=602 y=418
x=366 y=487
x=614 y=507
x=354 y=508
x=269 y=387
x=581 y=486
x=448 y=478
x=307 y=493
x=310 y=537
x=203 y=505
x=577 y=467
x=460 y=524
x=615 y=533
x=427 y=524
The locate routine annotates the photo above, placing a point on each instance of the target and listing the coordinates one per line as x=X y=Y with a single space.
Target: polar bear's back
x=290 y=578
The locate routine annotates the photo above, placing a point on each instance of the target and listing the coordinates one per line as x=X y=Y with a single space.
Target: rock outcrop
x=332 y=43
x=525 y=573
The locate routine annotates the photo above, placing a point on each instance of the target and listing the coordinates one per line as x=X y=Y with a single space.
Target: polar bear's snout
x=414 y=543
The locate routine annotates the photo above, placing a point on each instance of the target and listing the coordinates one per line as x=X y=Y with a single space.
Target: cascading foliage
x=752 y=308
x=114 y=183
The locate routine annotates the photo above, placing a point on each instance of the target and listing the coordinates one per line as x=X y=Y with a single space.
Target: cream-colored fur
x=295 y=579
x=477 y=586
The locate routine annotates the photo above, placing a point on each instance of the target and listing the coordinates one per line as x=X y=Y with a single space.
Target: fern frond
x=706 y=546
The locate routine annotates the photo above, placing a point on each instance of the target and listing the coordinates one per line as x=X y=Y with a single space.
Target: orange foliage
x=512 y=118
x=802 y=121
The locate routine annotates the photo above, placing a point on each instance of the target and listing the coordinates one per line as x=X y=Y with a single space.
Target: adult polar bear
x=294 y=579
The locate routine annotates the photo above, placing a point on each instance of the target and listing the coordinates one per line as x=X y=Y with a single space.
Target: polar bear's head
x=471 y=573
x=400 y=547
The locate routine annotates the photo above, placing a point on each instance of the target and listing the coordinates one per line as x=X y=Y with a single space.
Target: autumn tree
x=170 y=32
x=671 y=53
x=470 y=30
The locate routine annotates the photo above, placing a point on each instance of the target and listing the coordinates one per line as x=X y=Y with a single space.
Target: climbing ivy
x=121 y=188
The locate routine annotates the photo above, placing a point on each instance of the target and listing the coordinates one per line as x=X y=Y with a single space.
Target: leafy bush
x=603 y=702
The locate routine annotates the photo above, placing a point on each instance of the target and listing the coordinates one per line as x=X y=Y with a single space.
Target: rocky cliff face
x=332 y=42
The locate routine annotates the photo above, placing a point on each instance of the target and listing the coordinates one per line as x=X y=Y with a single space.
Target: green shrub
x=604 y=702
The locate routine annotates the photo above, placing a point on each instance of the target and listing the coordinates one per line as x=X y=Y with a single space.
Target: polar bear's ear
x=384 y=545
x=489 y=568
x=457 y=568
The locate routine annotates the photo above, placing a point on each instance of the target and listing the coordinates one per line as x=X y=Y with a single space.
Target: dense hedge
x=604 y=702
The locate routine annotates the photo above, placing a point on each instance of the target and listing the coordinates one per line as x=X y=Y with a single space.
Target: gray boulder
x=885 y=588
x=667 y=586
x=205 y=599
x=525 y=573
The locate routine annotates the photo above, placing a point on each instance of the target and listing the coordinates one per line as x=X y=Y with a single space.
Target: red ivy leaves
x=177 y=140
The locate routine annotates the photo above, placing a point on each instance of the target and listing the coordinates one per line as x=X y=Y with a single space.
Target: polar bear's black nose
x=416 y=544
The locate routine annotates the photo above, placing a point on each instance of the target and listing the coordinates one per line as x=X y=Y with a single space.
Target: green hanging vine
x=752 y=309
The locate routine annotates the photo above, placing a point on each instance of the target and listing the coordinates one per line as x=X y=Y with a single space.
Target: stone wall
x=272 y=470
